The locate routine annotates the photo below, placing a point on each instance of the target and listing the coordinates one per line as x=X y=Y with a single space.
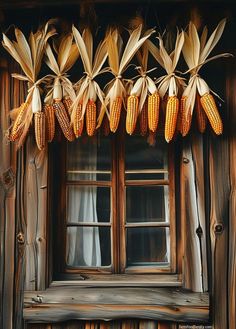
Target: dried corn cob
x=67 y=102
x=200 y=115
x=39 y=129
x=172 y=109
x=115 y=114
x=132 y=113
x=78 y=123
x=63 y=120
x=91 y=115
x=17 y=127
x=186 y=121
x=50 y=121
x=210 y=108
x=143 y=119
x=153 y=111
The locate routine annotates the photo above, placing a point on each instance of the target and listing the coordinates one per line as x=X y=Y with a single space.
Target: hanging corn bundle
x=29 y=55
x=117 y=90
x=88 y=89
x=144 y=100
x=62 y=89
x=197 y=94
x=170 y=83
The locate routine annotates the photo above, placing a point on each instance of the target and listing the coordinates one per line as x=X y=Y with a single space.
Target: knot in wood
x=199 y=231
x=185 y=160
x=20 y=238
x=219 y=228
x=8 y=179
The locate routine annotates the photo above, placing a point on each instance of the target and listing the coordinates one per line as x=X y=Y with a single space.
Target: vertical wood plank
x=36 y=213
x=231 y=97
x=219 y=195
x=193 y=215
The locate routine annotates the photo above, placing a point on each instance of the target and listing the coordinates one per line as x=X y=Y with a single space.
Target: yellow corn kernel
x=115 y=114
x=210 y=108
x=200 y=115
x=91 y=117
x=172 y=108
x=63 y=120
x=153 y=111
x=67 y=102
x=143 y=120
x=78 y=123
x=50 y=121
x=18 y=126
x=39 y=129
x=132 y=113
x=186 y=119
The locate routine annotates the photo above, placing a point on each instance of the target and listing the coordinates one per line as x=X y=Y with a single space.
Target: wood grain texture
x=219 y=217
x=55 y=305
x=36 y=213
x=231 y=97
x=193 y=215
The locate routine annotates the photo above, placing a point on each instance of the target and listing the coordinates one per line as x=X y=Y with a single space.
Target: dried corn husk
x=118 y=64
x=144 y=85
x=88 y=88
x=171 y=83
x=60 y=62
x=66 y=55
x=29 y=55
x=196 y=51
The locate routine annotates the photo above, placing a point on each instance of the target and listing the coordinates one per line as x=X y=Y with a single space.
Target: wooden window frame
x=170 y=276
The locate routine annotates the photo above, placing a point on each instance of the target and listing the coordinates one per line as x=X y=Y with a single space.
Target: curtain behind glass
x=83 y=245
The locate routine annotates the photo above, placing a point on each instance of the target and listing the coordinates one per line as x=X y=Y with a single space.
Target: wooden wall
x=208 y=208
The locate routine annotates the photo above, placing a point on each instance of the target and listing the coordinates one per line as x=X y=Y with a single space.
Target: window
x=117 y=206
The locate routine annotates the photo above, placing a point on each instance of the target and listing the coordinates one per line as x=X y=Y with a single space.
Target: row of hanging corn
x=85 y=105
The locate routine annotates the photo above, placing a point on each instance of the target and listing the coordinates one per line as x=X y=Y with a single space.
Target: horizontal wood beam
x=69 y=302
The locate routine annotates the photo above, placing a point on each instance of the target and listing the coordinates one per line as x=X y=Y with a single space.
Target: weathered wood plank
x=36 y=210
x=7 y=201
x=219 y=215
x=193 y=215
x=231 y=97
x=122 y=280
x=55 y=305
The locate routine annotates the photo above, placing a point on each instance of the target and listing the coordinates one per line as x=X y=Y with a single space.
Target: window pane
x=147 y=204
x=141 y=159
x=147 y=246
x=88 y=204
x=89 y=159
x=88 y=246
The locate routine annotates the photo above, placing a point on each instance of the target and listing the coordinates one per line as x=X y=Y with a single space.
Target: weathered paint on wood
x=170 y=304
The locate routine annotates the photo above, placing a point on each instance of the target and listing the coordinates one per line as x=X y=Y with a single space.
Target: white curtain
x=83 y=245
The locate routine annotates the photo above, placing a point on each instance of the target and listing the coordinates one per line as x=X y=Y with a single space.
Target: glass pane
x=141 y=159
x=89 y=159
x=88 y=246
x=88 y=204
x=147 y=204
x=147 y=246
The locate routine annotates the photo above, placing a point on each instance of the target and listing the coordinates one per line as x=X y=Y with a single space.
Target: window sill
x=118 y=280
x=69 y=301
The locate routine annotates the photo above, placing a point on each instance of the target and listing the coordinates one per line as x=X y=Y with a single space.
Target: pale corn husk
x=171 y=83
x=29 y=55
x=88 y=88
x=144 y=85
x=118 y=63
x=66 y=55
x=196 y=51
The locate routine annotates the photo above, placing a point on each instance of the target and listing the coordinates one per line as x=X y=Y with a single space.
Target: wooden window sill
x=66 y=302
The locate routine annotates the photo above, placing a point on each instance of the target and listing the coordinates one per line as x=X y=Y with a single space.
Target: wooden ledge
x=58 y=304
